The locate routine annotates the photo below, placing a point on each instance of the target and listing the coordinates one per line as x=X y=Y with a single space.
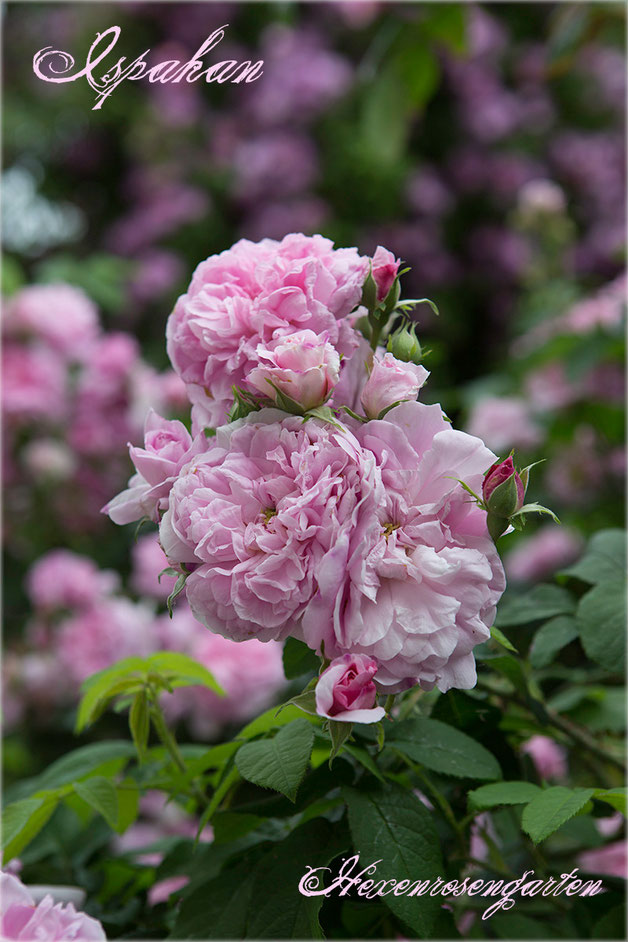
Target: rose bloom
x=20 y=918
x=611 y=860
x=303 y=366
x=60 y=315
x=345 y=691
x=257 y=514
x=255 y=293
x=62 y=579
x=419 y=592
x=391 y=381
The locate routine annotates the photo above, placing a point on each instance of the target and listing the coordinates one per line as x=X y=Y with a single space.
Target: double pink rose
x=303 y=366
x=346 y=692
x=391 y=381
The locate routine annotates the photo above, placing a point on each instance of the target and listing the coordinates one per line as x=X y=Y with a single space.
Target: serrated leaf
x=541 y=602
x=443 y=749
x=78 y=764
x=603 y=559
x=22 y=822
x=278 y=763
x=502 y=793
x=100 y=794
x=339 y=733
x=545 y=813
x=128 y=804
x=391 y=825
x=601 y=621
x=551 y=638
x=272 y=719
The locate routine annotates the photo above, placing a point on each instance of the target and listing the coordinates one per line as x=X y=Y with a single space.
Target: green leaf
x=101 y=795
x=183 y=671
x=551 y=638
x=177 y=589
x=280 y=762
x=23 y=820
x=501 y=638
x=365 y=759
x=601 y=620
x=128 y=804
x=447 y=23
x=139 y=722
x=541 y=602
x=419 y=72
x=277 y=909
x=217 y=909
x=443 y=749
x=391 y=825
x=271 y=719
x=603 y=559
x=103 y=686
x=339 y=733
x=616 y=797
x=384 y=121
x=502 y=793
x=230 y=826
x=80 y=763
x=298 y=659
x=551 y=808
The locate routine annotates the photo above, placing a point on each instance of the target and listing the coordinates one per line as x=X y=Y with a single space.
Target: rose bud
x=384 y=270
x=404 y=345
x=345 y=691
x=503 y=490
x=391 y=381
x=302 y=366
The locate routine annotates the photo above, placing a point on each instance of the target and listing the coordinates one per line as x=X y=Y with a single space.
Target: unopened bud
x=404 y=345
x=503 y=490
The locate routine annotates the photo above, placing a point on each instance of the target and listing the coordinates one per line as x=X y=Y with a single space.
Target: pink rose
x=550 y=759
x=148 y=561
x=391 y=380
x=384 y=270
x=168 y=446
x=419 y=591
x=303 y=366
x=20 y=918
x=252 y=294
x=259 y=512
x=34 y=385
x=345 y=691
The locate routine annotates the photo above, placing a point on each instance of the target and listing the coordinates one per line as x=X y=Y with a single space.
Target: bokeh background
x=483 y=143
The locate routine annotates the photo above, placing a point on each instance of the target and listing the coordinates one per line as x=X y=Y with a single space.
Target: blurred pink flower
x=163 y=889
x=549 y=758
x=33 y=384
x=59 y=315
x=540 y=555
x=49 y=460
x=503 y=422
x=22 y=919
x=148 y=561
x=96 y=638
x=611 y=860
x=62 y=579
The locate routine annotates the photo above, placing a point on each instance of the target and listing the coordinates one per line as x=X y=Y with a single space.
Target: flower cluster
x=72 y=396
x=302 y=517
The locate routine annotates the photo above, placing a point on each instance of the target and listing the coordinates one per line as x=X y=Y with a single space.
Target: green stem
x=170 y=743
x=439 y=799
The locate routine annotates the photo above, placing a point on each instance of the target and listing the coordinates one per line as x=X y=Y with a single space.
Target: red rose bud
x=503 y=490
x=384 y=268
